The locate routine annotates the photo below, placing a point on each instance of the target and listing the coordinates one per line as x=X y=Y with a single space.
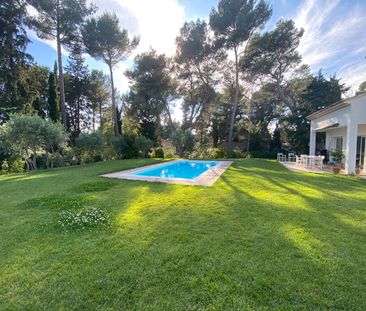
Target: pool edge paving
x=207 y=178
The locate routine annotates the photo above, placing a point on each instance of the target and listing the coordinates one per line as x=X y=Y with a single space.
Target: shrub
x=215 y=153
x=15 y=166
x=124 y=146
x=169 y=154
x=337 y=155
x=90 y=146
x=269 y=154
x=143 y=145
x=5 y=167
x=88 y=217
x=158 y=153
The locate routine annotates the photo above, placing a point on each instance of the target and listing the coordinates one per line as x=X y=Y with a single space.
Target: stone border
x=207 y=178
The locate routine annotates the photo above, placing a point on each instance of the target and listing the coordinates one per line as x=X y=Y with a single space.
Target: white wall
x=342 y=117
x=337 y=132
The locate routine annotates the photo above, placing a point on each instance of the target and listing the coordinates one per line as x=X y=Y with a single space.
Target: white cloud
x=334 y=38
x=157 y=22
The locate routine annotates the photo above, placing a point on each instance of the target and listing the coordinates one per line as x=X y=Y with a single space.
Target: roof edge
x=334 y=107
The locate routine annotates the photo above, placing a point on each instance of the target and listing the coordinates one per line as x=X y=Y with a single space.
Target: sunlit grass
x=261 y=238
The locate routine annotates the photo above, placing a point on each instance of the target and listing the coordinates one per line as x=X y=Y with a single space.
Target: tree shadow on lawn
x=187 y=247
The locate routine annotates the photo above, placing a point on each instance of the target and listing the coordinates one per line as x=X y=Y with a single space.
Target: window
x=338 y=143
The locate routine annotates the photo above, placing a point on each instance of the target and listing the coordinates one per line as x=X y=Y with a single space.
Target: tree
x=273 y=56
x=13 y=56
x=54 y=139
x=144 y=145
x=97 y=93
x=27 y=136
x=77 y=80
x=318 y=93
x=183 y=141
x=53 y=99
x=234 y=23
x=197 y=65
x=60 y=20
x=37 y=77
x=361 y=88
x=90 y=146
x=106 y=41
x=151 y=94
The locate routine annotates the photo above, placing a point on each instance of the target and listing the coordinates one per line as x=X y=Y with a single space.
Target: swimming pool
x=187 y=172
x=179 y=169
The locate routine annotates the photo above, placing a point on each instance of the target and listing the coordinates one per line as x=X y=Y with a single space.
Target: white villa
x=345 y=126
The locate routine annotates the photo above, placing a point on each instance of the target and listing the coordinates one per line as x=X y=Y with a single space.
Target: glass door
x=360 y=157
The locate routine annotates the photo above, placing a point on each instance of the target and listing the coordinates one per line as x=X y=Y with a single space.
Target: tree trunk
x=60 y=72
x=34 y=161
x=47 y=160
x=236 y=98
x=114 y=111
x=100 y=118
x=93 y=120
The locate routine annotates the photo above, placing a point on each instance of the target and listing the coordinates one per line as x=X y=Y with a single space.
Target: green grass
x=261 y=238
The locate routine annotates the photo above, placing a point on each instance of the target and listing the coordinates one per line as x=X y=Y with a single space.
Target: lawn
x=261 y=238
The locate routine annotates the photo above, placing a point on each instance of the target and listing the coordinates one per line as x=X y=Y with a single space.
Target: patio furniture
x=318 y=161
x=303 y=159
x=298 y=160
x=291 y=157
x=281 y=157
x=311 y=161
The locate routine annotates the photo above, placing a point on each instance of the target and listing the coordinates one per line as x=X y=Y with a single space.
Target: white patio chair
x=291 y=157
x=281 y=157
x=298 y=160
x=318 y=161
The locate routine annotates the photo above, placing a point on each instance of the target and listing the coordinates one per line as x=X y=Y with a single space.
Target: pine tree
x=53 y=99
x=77 y=108
x=13 y=57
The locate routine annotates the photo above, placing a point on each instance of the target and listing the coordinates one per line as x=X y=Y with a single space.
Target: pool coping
x=207 y=178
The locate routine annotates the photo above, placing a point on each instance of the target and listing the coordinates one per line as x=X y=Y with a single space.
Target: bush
x=124 y=146
x=169 y=154
x=158 y=153
x=266 y=154
x=90 y=146
x=5 y=167
x=16 y=166
x=143 y=145
x=84 y=218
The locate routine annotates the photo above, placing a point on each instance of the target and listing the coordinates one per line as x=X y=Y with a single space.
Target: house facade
x=344 y=124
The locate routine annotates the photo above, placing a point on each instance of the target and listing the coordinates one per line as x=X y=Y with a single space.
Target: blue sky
x=334 y=39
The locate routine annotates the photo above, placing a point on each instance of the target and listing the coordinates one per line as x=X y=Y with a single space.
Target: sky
x=334 y=40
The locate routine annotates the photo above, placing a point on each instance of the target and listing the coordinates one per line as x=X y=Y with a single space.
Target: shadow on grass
x=261 y=237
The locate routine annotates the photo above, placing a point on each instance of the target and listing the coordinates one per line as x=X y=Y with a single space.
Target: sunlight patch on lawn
x=359 y=222
x=26 y=176
x=303 y=240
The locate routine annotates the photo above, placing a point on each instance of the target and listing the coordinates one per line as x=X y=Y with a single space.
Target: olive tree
x=28 y=136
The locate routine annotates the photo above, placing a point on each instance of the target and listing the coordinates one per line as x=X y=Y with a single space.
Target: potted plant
x=337 y=156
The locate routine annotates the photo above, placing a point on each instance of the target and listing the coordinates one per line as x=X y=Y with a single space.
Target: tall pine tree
x=13 y=57
x=76 y=80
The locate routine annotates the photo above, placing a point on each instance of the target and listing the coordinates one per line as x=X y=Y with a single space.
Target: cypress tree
x=53 y=100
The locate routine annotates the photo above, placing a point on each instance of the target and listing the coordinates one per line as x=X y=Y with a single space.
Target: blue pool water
x=179 y=169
